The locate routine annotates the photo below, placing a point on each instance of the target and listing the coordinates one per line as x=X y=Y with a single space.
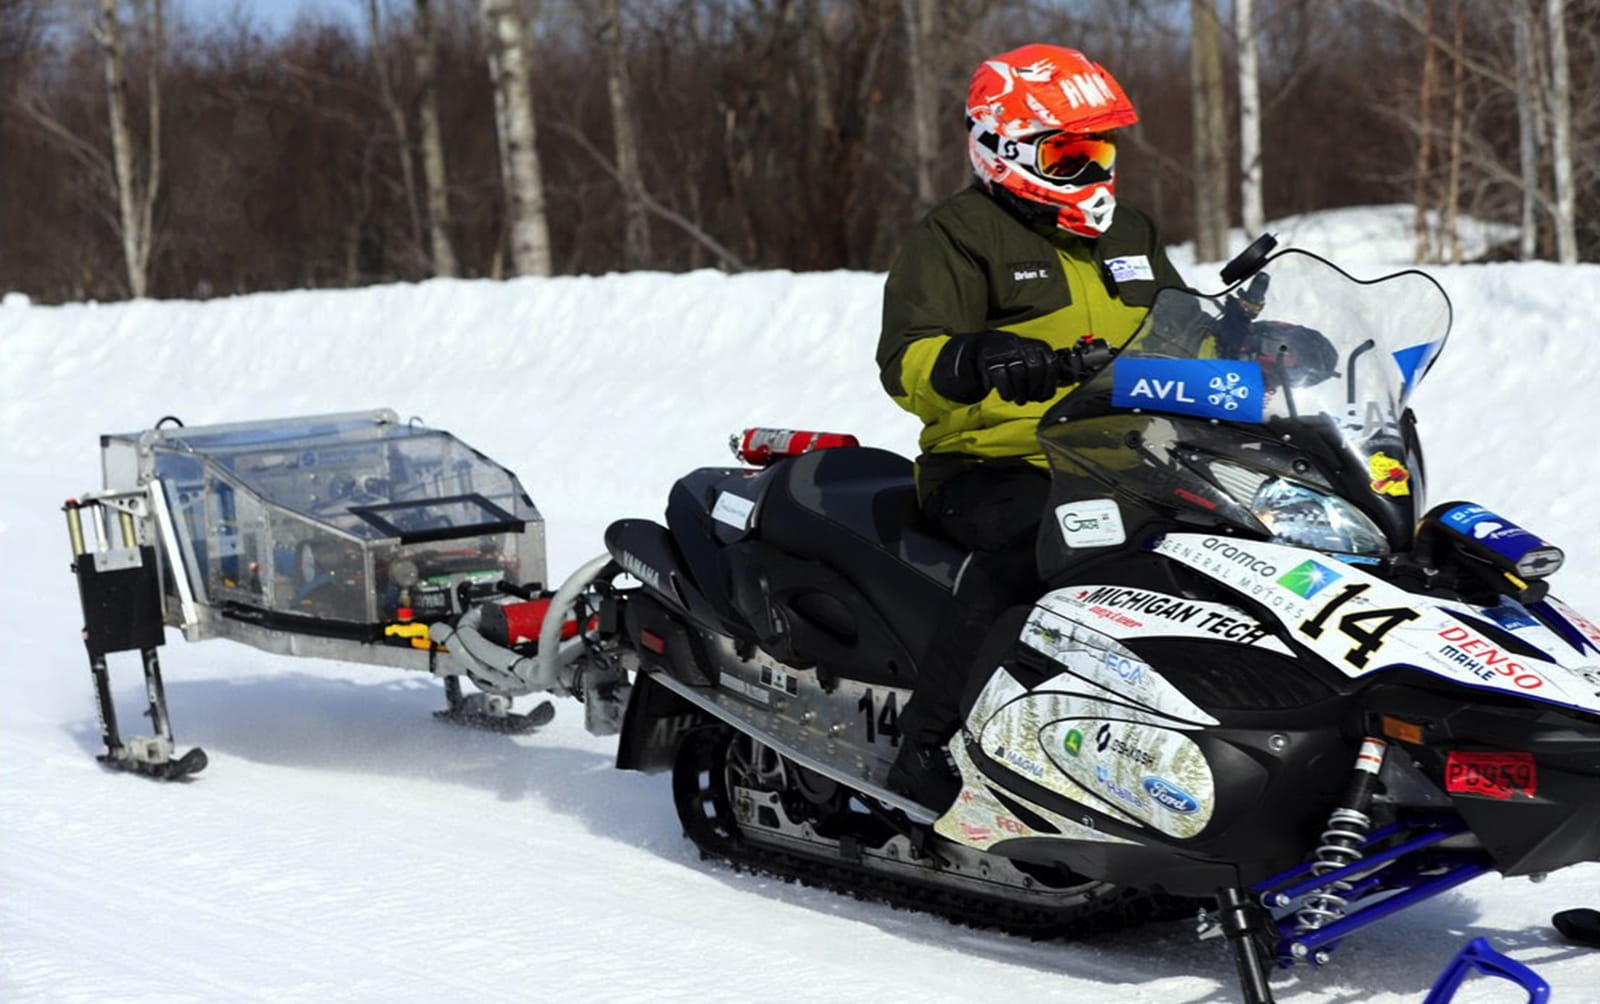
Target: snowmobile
x=1261 y=676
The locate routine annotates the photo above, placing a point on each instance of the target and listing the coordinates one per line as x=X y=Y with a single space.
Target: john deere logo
x=1073 y=742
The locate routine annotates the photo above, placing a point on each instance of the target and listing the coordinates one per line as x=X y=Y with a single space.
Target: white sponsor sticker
x=733 y=510
x=1090 y=523
x=750 y=690
x=1132 y=268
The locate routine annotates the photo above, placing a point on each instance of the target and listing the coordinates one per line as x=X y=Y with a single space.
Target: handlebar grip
x=1083 y=360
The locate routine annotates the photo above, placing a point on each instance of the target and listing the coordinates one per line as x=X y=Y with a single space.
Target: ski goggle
x=1070 y=158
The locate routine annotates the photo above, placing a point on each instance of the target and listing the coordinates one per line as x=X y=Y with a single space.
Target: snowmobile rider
x=1033 y=257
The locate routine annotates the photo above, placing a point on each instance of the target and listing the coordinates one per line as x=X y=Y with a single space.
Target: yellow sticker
x=1389 y=476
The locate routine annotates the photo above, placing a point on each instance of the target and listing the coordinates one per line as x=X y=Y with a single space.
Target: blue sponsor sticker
x=1209 y=388
x=1170 y=796
x=1510 y=615
x=1414 y=360
x=1497 y=533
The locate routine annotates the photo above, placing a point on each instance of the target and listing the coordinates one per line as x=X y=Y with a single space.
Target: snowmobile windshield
x=1278 y=407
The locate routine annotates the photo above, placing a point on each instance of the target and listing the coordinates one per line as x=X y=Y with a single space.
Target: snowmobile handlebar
x=1083 y=360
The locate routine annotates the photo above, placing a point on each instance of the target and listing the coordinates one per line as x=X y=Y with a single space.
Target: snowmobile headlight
x=1306 y=517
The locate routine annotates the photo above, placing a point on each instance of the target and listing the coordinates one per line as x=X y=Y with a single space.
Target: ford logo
x=1170 y=795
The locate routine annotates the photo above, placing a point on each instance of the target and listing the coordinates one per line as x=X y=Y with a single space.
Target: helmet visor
x=1074 y=158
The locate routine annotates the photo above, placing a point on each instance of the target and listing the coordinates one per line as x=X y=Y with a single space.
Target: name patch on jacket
x=1209 y=388
x=1131 y=268
x=1022 y=271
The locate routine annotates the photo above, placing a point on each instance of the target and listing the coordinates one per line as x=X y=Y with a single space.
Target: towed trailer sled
x=353 y=537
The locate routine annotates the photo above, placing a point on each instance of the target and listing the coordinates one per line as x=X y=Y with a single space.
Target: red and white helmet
x=1039 y=120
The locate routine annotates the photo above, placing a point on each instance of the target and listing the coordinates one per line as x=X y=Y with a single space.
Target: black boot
x=924 y=773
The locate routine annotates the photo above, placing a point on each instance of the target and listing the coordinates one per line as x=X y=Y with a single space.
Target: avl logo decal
x=1209 y=388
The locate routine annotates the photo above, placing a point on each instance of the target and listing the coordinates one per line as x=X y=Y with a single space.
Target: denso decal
x=1204 y=387
x=1493 y=775
x=1170 y=795
x=1467 y=649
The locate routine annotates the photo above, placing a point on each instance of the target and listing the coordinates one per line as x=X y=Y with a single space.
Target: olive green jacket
x=972 y=265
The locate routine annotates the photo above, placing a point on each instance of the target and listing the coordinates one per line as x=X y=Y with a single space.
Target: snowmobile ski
x=1581 y=926
x=491 y=712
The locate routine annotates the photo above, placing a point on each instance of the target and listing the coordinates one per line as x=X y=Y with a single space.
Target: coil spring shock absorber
x=1347 y=830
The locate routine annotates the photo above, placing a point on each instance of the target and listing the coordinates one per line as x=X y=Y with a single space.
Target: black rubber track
x=708 y=820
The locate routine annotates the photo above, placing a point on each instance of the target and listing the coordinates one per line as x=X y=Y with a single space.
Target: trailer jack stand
x=120 y=589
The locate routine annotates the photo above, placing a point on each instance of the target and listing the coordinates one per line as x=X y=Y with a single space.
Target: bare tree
x=1430 y=63
x=136 y=190
x=1561 y=133
x=1458 y=105
x=920 y=18
x=442 y=251
x=1528 y=128
x=397 y=120
x=636 y=233
x=514 y=119
x=1210 y=133
x=1251 y=211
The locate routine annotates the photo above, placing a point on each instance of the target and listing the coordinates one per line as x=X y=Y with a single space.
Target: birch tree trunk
x=1251 y=211
x=1561 y=133
x=136 y=196
x=1210 y=134
x=1452 y=198
x=441 y=250
x=1419 y=196
x=397 y=119
x=519 y=160
x=1528 y=130
x=919 y=18
x=636 y=232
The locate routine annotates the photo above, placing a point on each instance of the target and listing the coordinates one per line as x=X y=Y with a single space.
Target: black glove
x=1019 y=369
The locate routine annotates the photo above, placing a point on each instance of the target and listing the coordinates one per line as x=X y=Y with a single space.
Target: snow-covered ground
x=345 y=846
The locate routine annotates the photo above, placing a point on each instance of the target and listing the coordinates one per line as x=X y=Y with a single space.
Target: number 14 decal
x=881 y=719
x=1355 y=626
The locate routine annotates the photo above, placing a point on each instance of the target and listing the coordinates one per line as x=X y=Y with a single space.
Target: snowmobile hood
x=1364 y=625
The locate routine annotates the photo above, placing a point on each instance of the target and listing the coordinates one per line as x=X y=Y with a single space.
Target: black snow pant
x=994 y=510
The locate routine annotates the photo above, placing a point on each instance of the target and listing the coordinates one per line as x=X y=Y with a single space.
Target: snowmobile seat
x=855 y=511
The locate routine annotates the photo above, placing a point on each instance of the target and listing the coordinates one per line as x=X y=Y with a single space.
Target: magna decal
x=1484 y=660
x=1170 y=795
x=1265 y=569
x=1021 y=762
